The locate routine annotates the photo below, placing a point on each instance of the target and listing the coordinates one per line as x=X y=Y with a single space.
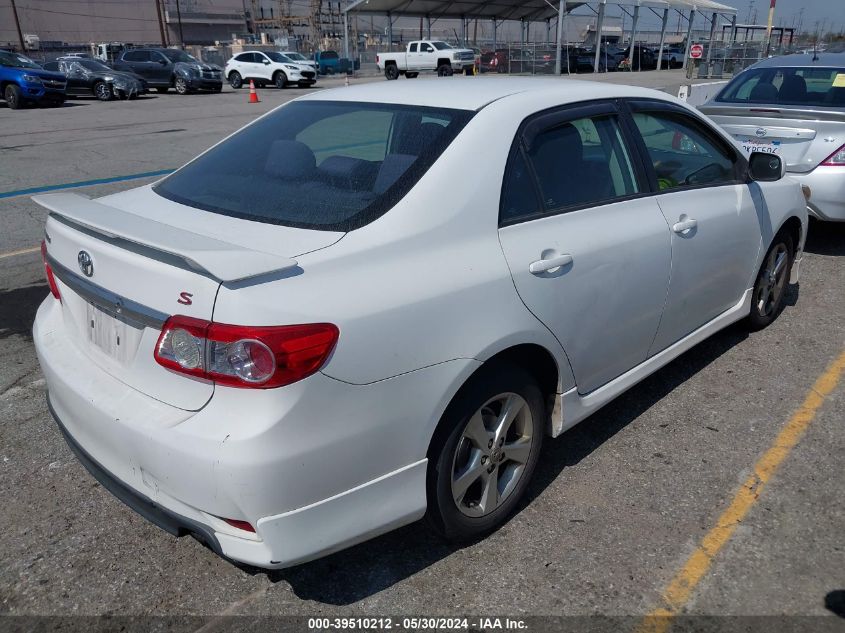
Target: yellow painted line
x=23 y=251
x=680 y=588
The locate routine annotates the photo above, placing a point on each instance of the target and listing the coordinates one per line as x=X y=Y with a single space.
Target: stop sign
x=696 y=51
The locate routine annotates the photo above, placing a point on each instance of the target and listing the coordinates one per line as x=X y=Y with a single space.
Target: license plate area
x=759 y=145
x=111 y=333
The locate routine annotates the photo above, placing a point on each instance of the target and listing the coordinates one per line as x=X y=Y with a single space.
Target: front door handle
x=545 y=265
x=684 y=225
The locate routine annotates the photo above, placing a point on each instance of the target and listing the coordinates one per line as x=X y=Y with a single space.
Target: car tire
x=103 y=91
x=444 y=70
x=391 y=72
x=280 y=79
x=473 y=486
x=770 y=287
x=181 y=86
x=218 y=88
x=235 y=79
x=14 y=98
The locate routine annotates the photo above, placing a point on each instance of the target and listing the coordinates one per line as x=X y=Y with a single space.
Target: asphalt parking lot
x=629 y=513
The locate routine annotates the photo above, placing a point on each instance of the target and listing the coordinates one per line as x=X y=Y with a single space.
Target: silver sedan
x=793 y=106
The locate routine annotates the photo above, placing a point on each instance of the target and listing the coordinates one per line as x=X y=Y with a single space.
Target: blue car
x=23 y=81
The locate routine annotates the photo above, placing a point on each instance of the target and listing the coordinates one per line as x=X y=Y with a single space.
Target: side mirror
x=766 y=167
x=163 y=62
x=266 y=62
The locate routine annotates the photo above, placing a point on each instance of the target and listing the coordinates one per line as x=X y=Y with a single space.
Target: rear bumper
x=827 y=192
x=167 y=520
x=315 y=466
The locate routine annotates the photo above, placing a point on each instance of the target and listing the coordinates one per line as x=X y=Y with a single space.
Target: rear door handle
x=684 y=225
x=545 y=265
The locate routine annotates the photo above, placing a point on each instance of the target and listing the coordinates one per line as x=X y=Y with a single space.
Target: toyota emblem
x=86 y=264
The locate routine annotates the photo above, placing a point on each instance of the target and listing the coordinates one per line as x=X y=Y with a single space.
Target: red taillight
x=244 y=356
x=837 y=159
x=48 y=272
x=241 y=525
x=376 y=59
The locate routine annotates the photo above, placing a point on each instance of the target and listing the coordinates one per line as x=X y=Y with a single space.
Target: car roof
x=475 y=93
x=804 y=59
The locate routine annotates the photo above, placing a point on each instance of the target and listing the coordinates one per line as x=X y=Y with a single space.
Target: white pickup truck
x=426 y=55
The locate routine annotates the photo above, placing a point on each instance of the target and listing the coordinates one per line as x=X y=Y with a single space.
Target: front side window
x=426 y=48
x=682 y=153
x=318 y=164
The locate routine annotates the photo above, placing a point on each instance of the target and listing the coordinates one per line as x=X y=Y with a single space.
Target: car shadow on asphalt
x=825 y=238
x=367 y=569
x=18 y=307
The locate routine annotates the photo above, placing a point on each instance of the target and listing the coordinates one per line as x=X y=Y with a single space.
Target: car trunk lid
x=802 y=138
x=122 y=274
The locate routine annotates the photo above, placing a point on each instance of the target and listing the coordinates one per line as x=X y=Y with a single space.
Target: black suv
x=163 y=68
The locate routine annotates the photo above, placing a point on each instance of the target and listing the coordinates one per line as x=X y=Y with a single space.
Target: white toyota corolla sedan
x=371 y=304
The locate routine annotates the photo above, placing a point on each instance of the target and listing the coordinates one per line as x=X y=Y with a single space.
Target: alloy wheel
x=492 y=454
x=103 y=91
x=772 y=281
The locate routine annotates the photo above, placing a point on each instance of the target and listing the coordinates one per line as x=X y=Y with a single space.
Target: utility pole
x=179 y=18
x=18 y=25
x=769 y=28
x=160 y=23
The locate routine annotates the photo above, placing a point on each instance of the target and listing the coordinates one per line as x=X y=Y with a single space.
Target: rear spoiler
x=223 y=260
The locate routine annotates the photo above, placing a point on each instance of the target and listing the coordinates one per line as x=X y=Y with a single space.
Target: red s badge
x=185 y=298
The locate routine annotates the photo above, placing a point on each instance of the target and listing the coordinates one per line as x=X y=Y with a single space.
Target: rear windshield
x=328 y=55
x=334 y=166
x=819 y=87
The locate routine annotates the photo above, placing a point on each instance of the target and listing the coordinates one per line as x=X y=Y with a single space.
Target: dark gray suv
x=163 y=68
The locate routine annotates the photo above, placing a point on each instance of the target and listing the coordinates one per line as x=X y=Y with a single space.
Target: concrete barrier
x=699 y=94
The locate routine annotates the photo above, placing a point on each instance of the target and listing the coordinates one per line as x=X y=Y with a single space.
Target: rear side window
x=582 y=162
x=333 y=166
x=244 y=57
x=573 y=164
x=682 y=153
x=813 y=87
x=413 y=48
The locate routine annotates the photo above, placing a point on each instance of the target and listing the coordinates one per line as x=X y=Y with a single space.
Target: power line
x=88 y=15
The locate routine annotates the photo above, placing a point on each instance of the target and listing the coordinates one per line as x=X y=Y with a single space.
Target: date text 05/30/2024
x=416 y=624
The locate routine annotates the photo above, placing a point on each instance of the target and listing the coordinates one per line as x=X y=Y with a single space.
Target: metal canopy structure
x=533 y=11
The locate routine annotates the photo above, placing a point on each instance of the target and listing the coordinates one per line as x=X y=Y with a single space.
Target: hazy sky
x=787 y=12
x=830 y=14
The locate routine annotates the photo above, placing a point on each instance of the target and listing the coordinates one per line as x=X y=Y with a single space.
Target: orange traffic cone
x=253 y=96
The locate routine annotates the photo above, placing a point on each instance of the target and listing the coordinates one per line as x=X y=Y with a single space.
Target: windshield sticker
x=839 y=81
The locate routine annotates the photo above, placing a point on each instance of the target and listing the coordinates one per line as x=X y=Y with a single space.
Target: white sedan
x=372 y=304
x=268 y=67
